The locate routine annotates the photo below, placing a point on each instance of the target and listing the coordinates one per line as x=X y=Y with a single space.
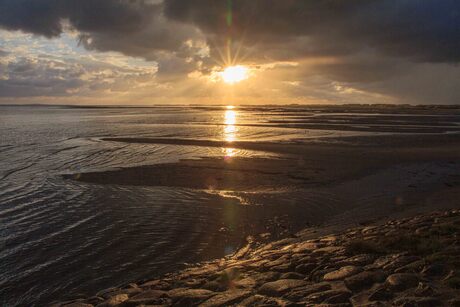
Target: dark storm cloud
x=134 y=27
x=45 y=17
x=426 y=30
x=378 y=45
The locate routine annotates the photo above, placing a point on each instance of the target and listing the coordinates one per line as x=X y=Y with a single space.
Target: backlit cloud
x=340 y=51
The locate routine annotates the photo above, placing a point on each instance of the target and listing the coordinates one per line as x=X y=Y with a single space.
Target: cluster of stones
x=407 y=262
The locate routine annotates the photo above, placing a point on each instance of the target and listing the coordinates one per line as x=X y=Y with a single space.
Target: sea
x=61 y=238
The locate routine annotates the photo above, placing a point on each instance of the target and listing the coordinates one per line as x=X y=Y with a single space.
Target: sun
x=234 y=74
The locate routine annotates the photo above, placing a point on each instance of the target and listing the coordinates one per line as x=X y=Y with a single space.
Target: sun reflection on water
x=230 y=130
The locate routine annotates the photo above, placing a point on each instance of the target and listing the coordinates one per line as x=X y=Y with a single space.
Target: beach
x=403 y=262
x=400 y=254
x=113 y=196
x=229 y=153
x=370 y=179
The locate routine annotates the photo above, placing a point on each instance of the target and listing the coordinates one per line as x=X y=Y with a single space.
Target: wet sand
x=361 y=178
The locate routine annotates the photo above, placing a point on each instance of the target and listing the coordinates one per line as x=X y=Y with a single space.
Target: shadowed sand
x=311 y=182
x=299 y=166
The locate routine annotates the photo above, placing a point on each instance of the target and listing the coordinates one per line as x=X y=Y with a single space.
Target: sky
x=136 y=52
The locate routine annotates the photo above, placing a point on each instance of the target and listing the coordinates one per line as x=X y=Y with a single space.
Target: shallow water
x=59 y=236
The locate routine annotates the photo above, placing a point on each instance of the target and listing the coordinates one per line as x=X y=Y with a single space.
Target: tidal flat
x=109 y=196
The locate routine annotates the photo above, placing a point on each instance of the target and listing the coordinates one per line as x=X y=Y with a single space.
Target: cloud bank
x=381 y=50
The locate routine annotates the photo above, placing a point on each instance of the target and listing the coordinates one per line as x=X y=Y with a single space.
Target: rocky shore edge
x=405 y=262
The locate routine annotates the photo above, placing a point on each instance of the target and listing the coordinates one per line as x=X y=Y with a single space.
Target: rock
x=342 y=273
x=279 y=287
x=369 y=229
x=77 y=304
x=399 y=262
x=417 y=302
x=106 y=293
x=364 y=280
x=128 y=291
x=263 y=278
x=413 y=267
x=381 y=294
x=329 y=239
x=306 y=268
x=147 y=297
x=214 y=286
x=115 y=300
x=156 y=284
x=226 y=298
x=422 y=230
x=286 y=267
x=307 y=246
x=342 y=297
x=261 y=300
x=292 y=275
x=228 y=277
x=424 y=289
x=434 y=270
x=402 y=281
x=326 y=305
x=317 y=272
x=265 y=236
x=454 y=302
x=278 y=262
x=374 y=304
x=328 y=250
x=253 y=300
x=302 y=292
x=184 y=296
x=94 y=300
x=358 y=260
x=192 y=283
x=382 y=261
x=246 y=283
x=320 y=297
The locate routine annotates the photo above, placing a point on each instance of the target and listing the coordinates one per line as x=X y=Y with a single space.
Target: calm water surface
x=59 y=237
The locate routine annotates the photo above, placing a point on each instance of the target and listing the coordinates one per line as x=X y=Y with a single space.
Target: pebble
x=418 y=301
x=305 y=268
x=183 y=296
x=318 y=272
x=115 y=300
x=337 y=296
x=342 y=273
x=279 y=287
x=402 y=281
x=292 y=275
x=147 y=297
x=226 y=298
x=381 y=294
x=434 y=270
x=76 y=304
x=364 y=280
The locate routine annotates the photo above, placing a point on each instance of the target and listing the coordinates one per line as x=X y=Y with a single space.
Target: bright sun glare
x=234 y=74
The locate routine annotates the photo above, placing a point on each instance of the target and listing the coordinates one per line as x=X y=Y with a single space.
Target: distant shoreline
x=344 y=105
